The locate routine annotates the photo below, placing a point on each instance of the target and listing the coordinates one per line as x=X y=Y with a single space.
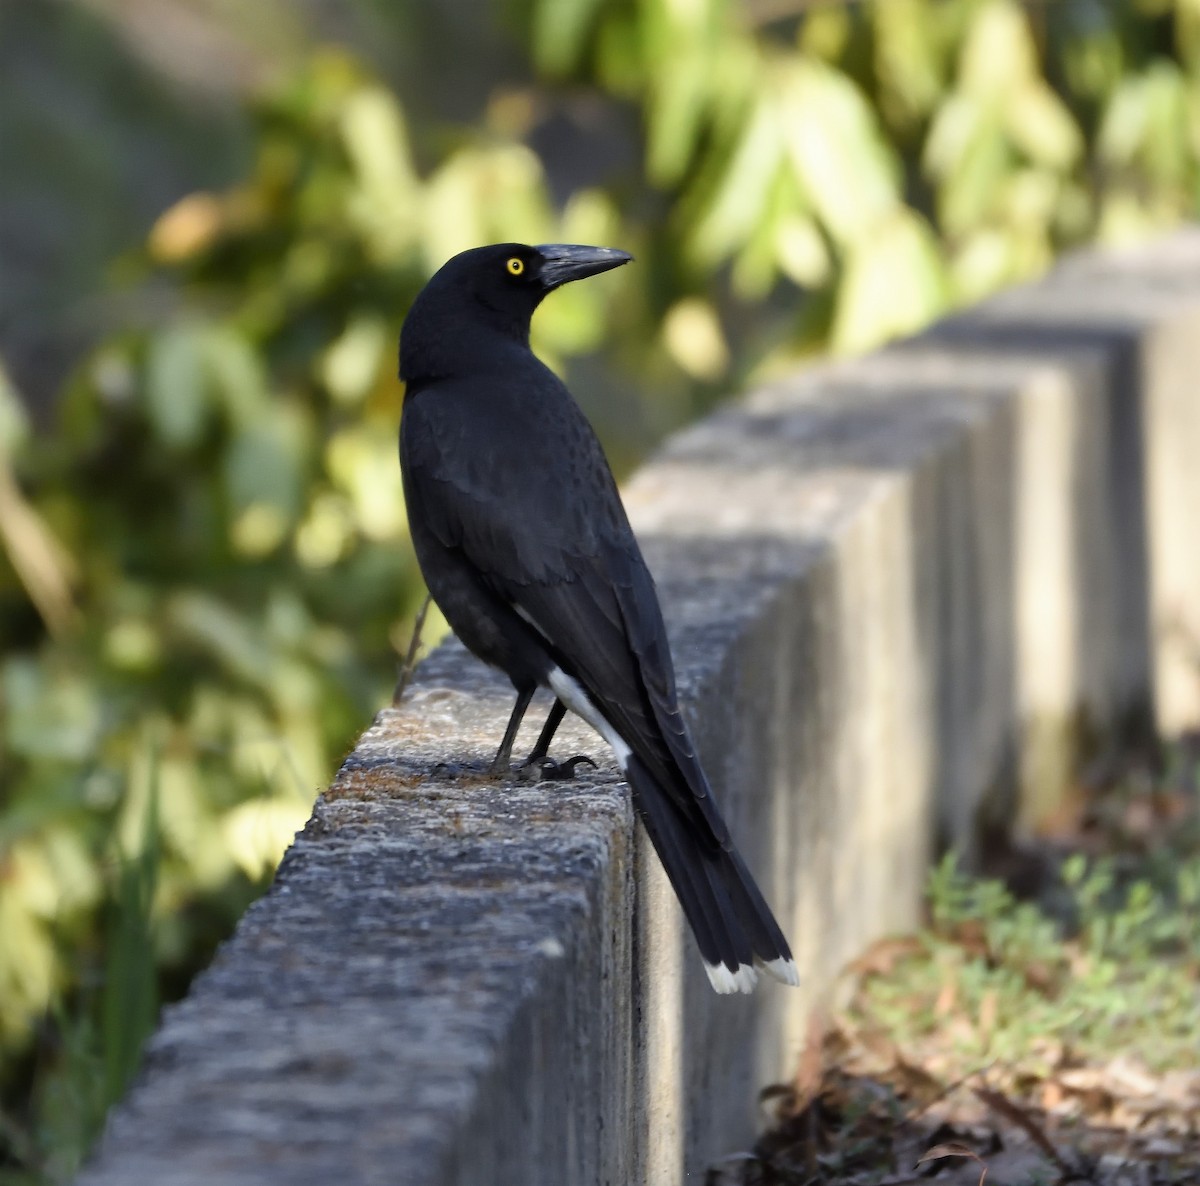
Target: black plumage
x=526 y=548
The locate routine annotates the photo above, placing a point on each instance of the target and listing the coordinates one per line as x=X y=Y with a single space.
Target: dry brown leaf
x=1174 y=806
x=971 y=935
x=1064 y=822
x=954 y=1149
x=186 y=229
x=1128 y=1078
x=1052 y=1095
x=1040 y=977
x=810 y=1073
x=1181 y=1088
x=881 y=958
x=947 y=995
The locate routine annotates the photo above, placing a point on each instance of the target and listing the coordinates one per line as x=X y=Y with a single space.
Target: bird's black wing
x=553 y=541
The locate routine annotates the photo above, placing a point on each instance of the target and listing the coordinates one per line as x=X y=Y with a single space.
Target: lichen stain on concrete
x=373 y=783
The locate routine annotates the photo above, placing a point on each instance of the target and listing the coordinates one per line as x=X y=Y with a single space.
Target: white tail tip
x=725 y=981
x=782 y=970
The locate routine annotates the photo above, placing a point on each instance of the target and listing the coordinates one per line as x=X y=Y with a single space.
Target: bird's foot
x=540 y=768
x=548 y=770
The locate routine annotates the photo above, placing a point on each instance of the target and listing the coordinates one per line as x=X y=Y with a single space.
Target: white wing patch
x=571 y=693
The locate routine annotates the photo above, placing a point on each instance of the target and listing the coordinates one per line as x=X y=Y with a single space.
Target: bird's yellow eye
x=515 y=266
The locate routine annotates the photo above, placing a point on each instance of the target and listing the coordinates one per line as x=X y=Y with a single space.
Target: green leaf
x=231 y=638
x=373 y=130
x=1146 y=124
x=560 y=28
x=264 y=472
x=972 y=157
x=758 y=262
x=982 y=265
x=738 y=199
x=48 y=715
x=907 y=59
x=362 y=463
x=350 y=365
x=236 y=373
x=999 y=53
x=175 y=388
x=14 y=423
x=894 y=283
x=1039 y=123
x=678 y=104
x=960 y=120
x=837 y=150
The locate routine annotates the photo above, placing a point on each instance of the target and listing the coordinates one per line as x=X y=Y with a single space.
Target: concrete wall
x=898 y=589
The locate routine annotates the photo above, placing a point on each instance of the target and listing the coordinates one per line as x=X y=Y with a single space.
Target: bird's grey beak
x=564 y=262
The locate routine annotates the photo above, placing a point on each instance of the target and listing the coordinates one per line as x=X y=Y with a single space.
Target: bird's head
x=494 y=289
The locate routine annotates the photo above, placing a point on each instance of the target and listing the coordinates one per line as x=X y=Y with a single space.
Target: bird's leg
x=546 y=766
x=558 y=710
x=502 y=760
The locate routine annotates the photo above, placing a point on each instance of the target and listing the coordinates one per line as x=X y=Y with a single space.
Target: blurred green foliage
x=204 y=579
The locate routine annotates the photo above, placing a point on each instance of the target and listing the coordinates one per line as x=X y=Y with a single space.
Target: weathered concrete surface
x=896 y=587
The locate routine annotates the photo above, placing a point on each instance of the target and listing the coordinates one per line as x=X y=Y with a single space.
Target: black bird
x=526 y=548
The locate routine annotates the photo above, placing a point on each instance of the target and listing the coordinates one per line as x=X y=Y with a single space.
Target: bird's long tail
x=733 y=925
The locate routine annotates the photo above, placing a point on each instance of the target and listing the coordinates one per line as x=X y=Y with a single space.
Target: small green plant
x=1000 y=980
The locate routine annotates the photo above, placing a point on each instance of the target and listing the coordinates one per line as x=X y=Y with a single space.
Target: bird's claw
x=543 y=769
x=552 y=771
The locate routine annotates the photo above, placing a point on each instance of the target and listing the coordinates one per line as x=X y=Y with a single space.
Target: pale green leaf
x=678 y=104
x=14 y=422
x=175 y=386
x=738 y=200
x=560 y=28
x=1039 y=123
x=999 y=53
x=907 y=59
x=235 y=370
x=1030 y=198
x=1146 y=124
x=959 y=122
x=837 y=150
x=376 y=140
x=894 y=283
x=48 y=715
x=351 y=364
x=803 y=255
x=363 y=465
x=984 y=263
x=264 y=471
x=969 y=189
